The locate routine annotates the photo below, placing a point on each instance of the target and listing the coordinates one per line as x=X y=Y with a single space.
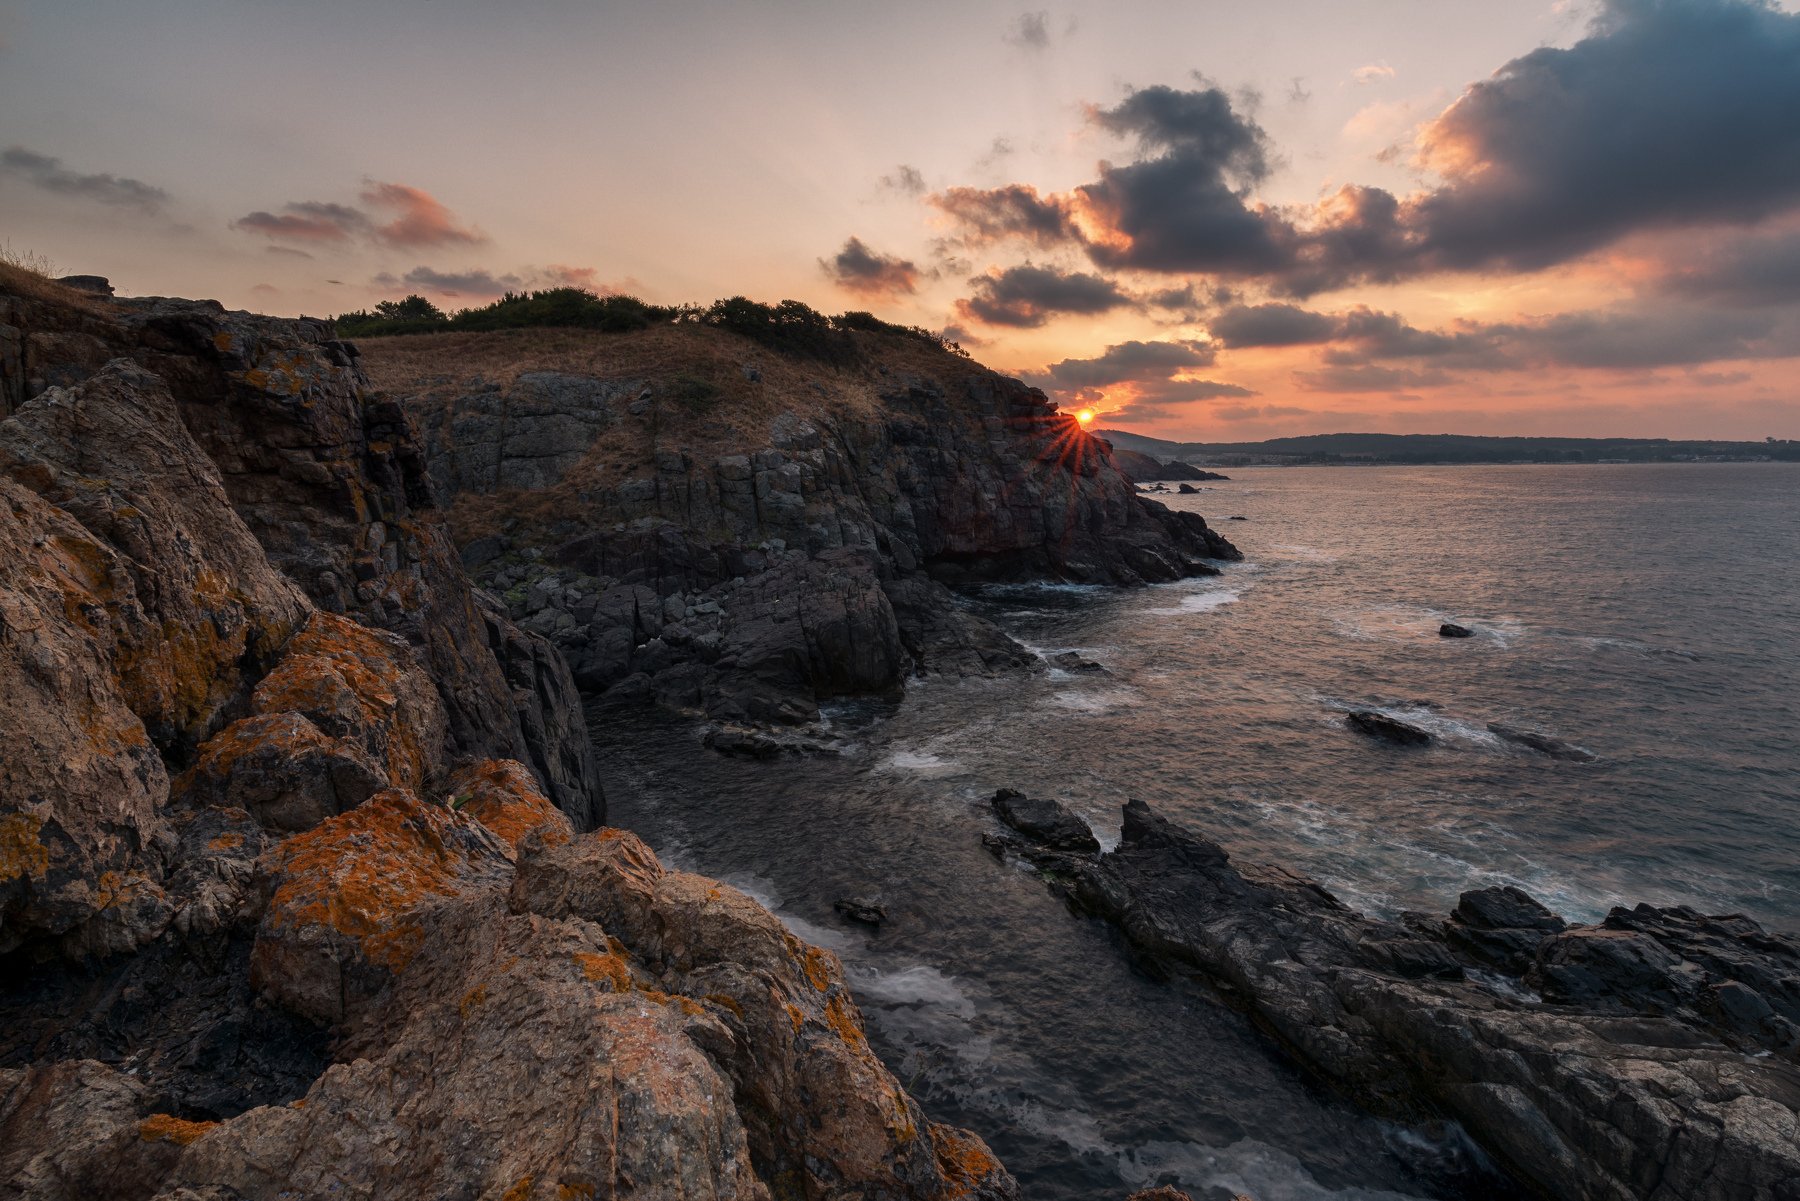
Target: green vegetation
x=789 y=328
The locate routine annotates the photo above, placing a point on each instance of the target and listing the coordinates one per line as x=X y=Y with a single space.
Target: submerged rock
x=1046 y=823
x=1450 y=629
x=1663 y=1057
x=1071 y=661
x=1390 y=729
x=866 y=910
x=1187 y=490
x=1544 y=744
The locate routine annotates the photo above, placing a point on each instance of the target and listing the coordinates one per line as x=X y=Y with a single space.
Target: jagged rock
x=822 y=534
x=1450 y=629
x=1389 y=729
x=1141 y=468
x=1046 y=823
x=1661 y=1060
x=1187 y=490
x=1071 y=661
x=311 y=990
x=1556 y=748
x=867 y=910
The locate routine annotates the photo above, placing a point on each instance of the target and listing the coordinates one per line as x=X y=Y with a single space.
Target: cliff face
x=295 y=893
x=694 y=518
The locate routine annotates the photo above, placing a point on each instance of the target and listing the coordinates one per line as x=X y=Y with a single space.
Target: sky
x=1207 y=221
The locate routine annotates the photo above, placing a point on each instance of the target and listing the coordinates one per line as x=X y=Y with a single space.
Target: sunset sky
x=1214 y=221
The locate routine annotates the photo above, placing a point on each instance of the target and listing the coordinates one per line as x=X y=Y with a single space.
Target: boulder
x=1389 y=729
x=1047 y=823
x=1071 y=661
x=867 y=910
x=1450 y=629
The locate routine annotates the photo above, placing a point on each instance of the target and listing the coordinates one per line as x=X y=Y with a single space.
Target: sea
x=1648 y=614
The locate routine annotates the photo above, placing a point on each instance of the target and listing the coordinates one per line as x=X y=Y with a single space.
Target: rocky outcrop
x=794 y=539
x=1386 y=727
x=323 y=472
x=1141 y=468
x=1656 y=1054
x=299 y=892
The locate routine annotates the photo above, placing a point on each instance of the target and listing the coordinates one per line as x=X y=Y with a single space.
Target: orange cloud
x=420 y=218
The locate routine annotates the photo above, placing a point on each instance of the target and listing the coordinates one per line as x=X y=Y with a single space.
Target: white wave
x=918 y=984
x=1205 y=601
x=922 y=763
x=1095 y=701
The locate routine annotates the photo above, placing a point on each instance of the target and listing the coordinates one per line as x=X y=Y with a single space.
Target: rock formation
x=1141 y=468
x=301 y=891
x=697 y=520
x=1655 y=1054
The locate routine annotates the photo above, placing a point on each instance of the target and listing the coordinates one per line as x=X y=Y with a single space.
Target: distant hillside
x=1451 y=448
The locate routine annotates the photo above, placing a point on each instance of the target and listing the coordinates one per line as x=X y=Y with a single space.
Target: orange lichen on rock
x=503 y=795
x=579 y=1191
x=360 y=874
x=520 y=1190
x=816 y=966
x=963 y=1159
x=605 y=969
x=22 y=852
x=164 y=1128
x=352 y=683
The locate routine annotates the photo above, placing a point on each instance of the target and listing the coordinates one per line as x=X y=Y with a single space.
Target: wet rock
x=1450 y=629
x=1071 y=661
x=1389 y=729
x=1187 y=490
x=754 y=743
x=1544 y=744
x=1047 y=823
x=1663 y=1048
x=866 y=910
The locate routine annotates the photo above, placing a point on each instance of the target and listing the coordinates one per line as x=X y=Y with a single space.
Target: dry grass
x=32 y=276
x=436 y=369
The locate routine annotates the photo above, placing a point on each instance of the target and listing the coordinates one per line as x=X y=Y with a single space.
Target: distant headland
x=1453 y=448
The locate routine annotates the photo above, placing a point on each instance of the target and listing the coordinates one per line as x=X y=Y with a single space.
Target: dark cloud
x=1643 y=338
x=307 y=221
x=866 y=272
x=455 y=283
x=1028 y=296
x=1757 y=269
x=1253 y=412
x=1666 y=114
x=1030 y=31
x=907 y=180
x=48 y=173
x=1271 y=325
x=286 y=252
x=1129 y=361
x=1016 y=211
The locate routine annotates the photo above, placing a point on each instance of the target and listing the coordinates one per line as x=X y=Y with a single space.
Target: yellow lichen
x=503 y=796
x=962 y=1160
x=520 y=1190
x=164 y=1128
x=605 y=969
x=580 y=1190
x=22 y=853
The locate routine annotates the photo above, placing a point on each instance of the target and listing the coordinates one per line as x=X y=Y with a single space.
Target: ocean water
x=1648 y=614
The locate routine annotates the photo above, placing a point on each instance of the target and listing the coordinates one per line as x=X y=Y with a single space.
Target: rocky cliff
x=695 y=518
x=1655 y=1054
x=301 y=892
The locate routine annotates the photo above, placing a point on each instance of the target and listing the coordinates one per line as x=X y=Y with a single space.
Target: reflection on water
x=1644 y=613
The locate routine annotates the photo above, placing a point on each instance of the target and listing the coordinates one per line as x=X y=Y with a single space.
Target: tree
x=413 y=308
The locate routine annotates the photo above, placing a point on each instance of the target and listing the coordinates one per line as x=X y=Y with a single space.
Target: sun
x=1085 y=417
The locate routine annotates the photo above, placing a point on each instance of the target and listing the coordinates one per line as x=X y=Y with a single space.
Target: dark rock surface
x=1544 y=744
x=1656 y=1054
x=798 y=542
x=1450 y=629
x=1071 y=661
x=1046 y=823
x=1389 y=729
x=867 y=910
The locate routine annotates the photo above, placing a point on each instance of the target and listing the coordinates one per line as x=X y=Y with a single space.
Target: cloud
x=1371 y=378
x=907 y=180
x=868 y=273
x=1373 y=73
x=1755 y=269
x=1029 y=31
x=1129 y=361
x=478 y=283
x=1253 y=412
x=307 y=221
x=1016 y=211
x=1028 y=296
x=418 y=220
x=286 y=252
x=1667 y=114
x=48 y=173
x=1271 y=325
